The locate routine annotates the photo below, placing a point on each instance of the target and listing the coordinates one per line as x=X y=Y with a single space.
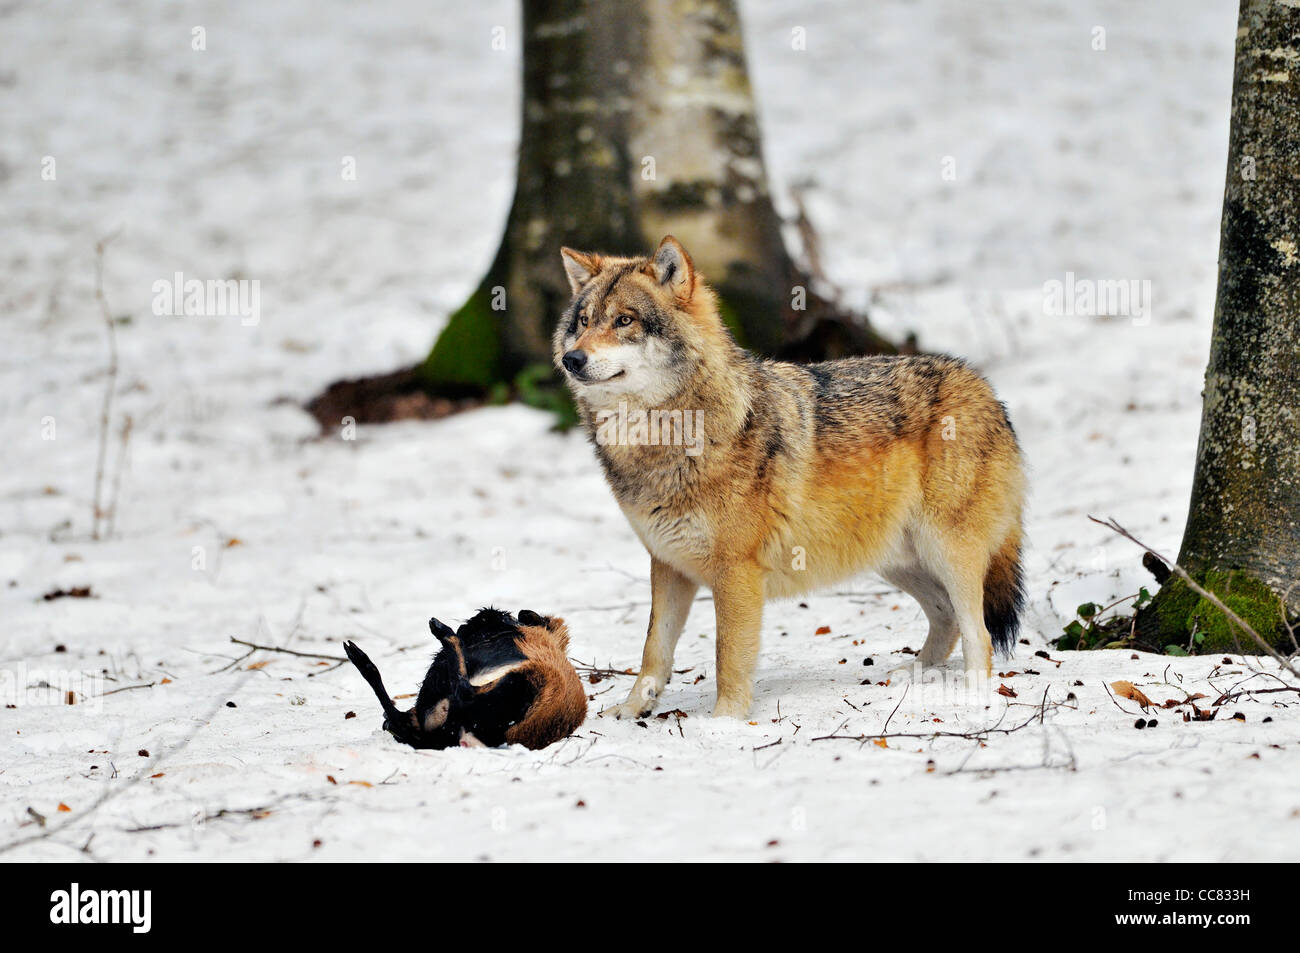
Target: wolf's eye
x=624 y=320
x=582 y=321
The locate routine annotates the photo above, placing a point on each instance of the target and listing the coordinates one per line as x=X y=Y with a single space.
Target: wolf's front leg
x=671 y=595
x=738 y=602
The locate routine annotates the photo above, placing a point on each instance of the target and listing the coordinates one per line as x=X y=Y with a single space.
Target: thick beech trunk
x=638 y=121
x=1242 y=538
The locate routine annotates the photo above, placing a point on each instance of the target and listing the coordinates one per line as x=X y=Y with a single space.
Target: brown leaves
x=1174 y=702
x=1007 y=692
x=823 y=630
x=76 y=592
x=1132 y=693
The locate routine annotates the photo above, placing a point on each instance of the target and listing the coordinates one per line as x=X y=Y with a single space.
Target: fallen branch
x=975 y=735
x=1203 y=593
x=276 y=648
x=127 y=688
x=1233 y=696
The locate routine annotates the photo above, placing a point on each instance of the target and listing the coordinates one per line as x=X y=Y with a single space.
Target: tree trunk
x=1242 y=539
x=638 y=121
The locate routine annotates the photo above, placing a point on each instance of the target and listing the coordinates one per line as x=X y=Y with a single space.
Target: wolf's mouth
x=605 y=380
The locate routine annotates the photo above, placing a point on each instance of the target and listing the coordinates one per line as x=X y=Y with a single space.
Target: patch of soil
x=385 y=398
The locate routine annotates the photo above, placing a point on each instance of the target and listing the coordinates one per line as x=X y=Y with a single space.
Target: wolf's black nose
x=575 y=361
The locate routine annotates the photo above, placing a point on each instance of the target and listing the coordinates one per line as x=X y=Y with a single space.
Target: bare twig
x=127 y=425
x=1232 y=696
x=974 y=735
x=1203 y=593
x=276 y=648
x=127 y=688
x=896 y=707
x=106 y=410
x=582 y=668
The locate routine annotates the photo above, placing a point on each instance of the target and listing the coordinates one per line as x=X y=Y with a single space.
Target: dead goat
x=496 y=680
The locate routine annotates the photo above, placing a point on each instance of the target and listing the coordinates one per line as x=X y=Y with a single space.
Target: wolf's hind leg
x=671 y=595
x=961 y=568
x=933 y=598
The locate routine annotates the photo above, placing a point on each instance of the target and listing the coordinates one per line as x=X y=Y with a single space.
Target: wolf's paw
x=640 y=702
x=737 y=708
x=909 y=672
x=630 y=710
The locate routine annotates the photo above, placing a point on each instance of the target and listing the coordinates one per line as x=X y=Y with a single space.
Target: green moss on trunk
x=467 y=352
x=1181 y=617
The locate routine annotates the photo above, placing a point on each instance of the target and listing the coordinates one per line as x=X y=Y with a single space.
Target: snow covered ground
x=235 y=520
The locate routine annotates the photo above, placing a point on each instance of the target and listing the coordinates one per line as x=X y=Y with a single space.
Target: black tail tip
x=1004 y=601
x=1002 y=608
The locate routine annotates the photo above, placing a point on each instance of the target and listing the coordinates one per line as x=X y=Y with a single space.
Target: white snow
x=226 y=162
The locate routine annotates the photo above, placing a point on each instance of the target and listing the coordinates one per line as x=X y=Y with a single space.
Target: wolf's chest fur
x=662 y=492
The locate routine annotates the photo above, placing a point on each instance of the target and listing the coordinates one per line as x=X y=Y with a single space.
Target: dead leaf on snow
x=1132 y=693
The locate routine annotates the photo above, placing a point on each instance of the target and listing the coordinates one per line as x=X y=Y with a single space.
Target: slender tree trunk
x=638 y=121
x=1242 y=538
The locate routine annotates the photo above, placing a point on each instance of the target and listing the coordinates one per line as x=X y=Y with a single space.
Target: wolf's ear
x=673 y=268
x=579 y=266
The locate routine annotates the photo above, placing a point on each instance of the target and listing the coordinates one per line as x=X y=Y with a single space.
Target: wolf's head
x=636 y=326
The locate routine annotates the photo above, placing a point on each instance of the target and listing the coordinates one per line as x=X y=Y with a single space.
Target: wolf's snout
x=574 y=361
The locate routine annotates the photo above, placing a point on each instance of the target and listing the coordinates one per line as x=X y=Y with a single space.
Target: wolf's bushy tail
x=1004 y=594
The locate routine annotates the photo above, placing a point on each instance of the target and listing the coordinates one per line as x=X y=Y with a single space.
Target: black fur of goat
x=497 y=680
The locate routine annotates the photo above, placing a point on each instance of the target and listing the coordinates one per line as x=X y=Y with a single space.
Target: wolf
x=498 y=679
x=807 y=474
